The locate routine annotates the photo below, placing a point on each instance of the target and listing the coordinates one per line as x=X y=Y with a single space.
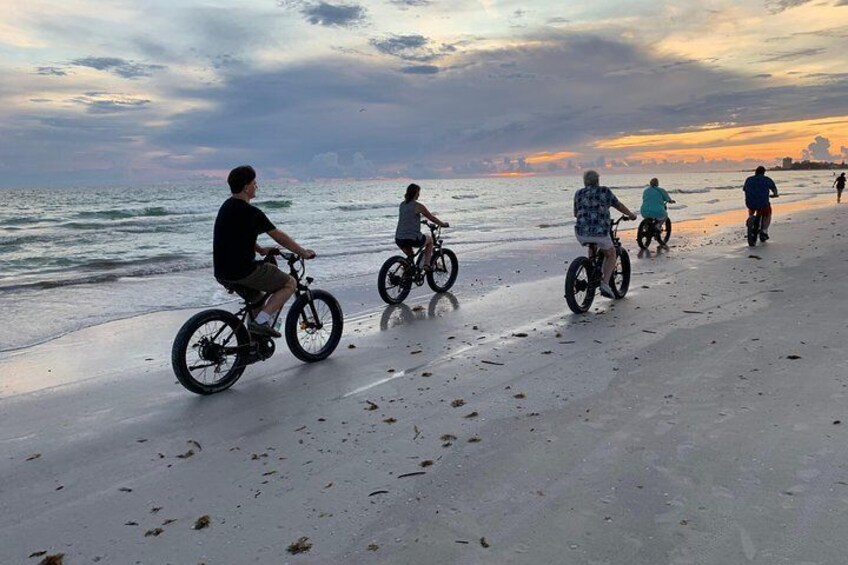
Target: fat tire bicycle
x=584 y=274
x=399 y=273
x=212 y=349
x=754 y=227
x=649 y=230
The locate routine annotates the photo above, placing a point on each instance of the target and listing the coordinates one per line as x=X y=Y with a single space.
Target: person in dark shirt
x=839 y=183
x=234 y=250
x=757 y=188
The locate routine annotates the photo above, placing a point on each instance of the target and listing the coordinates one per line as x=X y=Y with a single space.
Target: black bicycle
x=399 y=273
x=584 y=274
x=754 y=225
x=650 y=229
x=213 y=347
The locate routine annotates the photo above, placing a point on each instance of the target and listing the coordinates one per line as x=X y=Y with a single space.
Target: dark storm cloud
x=51 y=71
x=558 y=93
x=118 y=66
x=792 y=55
x=334 y=15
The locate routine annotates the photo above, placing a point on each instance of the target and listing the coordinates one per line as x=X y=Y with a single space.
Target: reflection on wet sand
x=400 y=314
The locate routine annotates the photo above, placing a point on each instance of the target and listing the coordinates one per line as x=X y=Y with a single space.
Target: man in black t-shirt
x=839 y=183
x=234 y=251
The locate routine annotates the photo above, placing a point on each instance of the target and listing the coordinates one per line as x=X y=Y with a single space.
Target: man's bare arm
x=286 y=241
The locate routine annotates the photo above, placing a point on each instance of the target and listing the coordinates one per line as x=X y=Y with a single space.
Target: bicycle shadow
x=650 y=253
x=401 y=314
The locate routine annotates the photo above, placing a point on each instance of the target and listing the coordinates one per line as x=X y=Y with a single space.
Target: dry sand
x=700 y=420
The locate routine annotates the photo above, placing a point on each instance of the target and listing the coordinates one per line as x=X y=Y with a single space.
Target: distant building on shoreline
x=805 y=165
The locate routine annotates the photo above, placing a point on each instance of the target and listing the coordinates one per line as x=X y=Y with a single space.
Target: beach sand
x=700 y=420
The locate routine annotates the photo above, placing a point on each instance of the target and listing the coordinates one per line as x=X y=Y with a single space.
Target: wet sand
x=699 y=420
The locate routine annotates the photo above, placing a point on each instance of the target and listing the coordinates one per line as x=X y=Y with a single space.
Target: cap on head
x=240 y=177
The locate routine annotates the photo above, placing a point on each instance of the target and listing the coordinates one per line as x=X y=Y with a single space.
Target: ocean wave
x=556 y=224
x=110 y=270
x=275 y=204
x=701 y=190
x=464 y=196
x=725 y=187
x=363 y=206
x=154 y=211
x=20 y=221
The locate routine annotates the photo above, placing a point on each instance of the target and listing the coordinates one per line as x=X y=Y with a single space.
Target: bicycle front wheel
x=579 y=292
x=314 y=326
x=210 y=352
x=395 y=280
x=445 y=270
x=620 y=280
x=644 y=233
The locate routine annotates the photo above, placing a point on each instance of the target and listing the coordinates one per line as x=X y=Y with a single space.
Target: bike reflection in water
x=648 y=253
x=401 y=314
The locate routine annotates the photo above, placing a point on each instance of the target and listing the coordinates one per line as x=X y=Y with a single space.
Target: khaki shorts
x=265 y=278
x=602 y=241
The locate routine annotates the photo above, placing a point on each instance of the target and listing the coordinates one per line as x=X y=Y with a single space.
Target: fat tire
x=753 y=227
x=622 y=269
x=644 y=233
x=665 y=235
x=572 y=277
x=449 y=257
x=183 y=339
x=293 y=322
x=403 y=290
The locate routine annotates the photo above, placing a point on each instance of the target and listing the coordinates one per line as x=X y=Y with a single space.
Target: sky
x=111 y=91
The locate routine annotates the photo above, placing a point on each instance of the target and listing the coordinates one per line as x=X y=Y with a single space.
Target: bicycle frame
x=418 y=256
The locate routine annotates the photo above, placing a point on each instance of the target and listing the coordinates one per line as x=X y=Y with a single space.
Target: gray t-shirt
x=409 y=221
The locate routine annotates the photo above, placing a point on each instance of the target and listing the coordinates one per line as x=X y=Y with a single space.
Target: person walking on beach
x=654 y=201
x=591 y=208
x=757 y=188
x=408 y=233
x=234 y=250
x=839 y=183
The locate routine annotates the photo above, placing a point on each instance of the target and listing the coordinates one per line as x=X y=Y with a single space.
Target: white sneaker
x=606 y=290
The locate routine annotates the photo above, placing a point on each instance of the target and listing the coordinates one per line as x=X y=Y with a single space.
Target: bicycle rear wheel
x=753 y=225
x=620 y=280
x=644 y=233
x=665 y=231
x=395 y=280
x=210 y=352
x=445 y=270
x=579 y=291
x=313 y=335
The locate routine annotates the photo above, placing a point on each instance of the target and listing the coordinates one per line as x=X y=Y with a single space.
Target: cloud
x=328 y=165
x=332 y=15
x=819 y=150
x=118 y=66
x=777 y=6
x=800 y=53
x=416 y=3
x=50 y=71
x=420 y=70
x=406 y=47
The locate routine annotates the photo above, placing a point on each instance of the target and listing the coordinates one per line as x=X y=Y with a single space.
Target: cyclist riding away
x=757 y=188
x=654 y=201
x=839 y=183
x=408 y=233
x=591 y=208
x=234 y=251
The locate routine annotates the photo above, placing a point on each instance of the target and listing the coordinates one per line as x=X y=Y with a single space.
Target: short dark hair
x=760 y=170
x=240 y=177
x=411 y=192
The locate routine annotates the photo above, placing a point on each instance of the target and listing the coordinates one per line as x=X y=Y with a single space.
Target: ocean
x=76 y=257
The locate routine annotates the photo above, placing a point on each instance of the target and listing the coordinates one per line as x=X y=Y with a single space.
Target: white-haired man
x=591 y=208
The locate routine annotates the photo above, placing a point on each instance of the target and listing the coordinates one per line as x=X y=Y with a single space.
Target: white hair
x=591 y=178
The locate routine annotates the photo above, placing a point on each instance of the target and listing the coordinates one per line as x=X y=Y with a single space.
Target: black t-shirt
x=233 y=246
x=840 y=182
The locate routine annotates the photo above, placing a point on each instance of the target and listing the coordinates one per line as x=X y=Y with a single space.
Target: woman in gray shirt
x=408 y=233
